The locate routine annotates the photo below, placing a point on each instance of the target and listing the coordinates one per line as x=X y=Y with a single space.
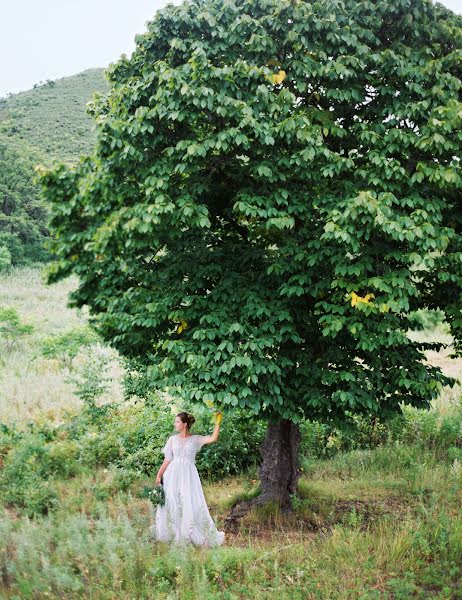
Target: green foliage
x=24 y=477
x=324 y=440
x=421 y=429
x=428 y=319
x=128 y=440
x=91 y=381
x=35 y=126
x=273 y=190
x=11 y=328
x=237 y=448
x=5 y=258
x=411 y=553
x=393 y=459
x=441 y=433
x=132 y=437
x=67 y=345
x=23 y=215
x=135 y=381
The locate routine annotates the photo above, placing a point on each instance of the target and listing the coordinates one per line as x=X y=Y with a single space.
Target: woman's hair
x=187 y=418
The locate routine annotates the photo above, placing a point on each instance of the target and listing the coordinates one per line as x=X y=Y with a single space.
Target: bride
x=185 y=515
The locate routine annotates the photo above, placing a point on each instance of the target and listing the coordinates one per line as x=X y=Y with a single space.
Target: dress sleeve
x=200 y=441
x=167 y=449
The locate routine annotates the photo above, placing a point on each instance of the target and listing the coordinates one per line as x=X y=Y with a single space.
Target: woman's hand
x=218 y=418
x=158 y=479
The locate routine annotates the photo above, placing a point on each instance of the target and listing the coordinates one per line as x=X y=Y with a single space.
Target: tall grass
x=33 y=387
x=104 y=550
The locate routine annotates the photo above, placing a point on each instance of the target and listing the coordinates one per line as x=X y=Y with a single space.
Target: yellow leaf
x=182 y=326
x=355 y=299
x=279 y=77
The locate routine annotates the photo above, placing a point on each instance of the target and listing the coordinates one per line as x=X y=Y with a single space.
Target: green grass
x=369 y=533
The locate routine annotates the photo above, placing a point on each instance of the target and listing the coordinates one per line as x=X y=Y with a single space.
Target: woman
x=185 y=516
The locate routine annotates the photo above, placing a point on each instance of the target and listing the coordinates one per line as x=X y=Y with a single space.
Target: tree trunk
x=279 y=471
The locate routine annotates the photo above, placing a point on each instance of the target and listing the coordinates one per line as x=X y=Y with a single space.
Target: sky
x=50 y=39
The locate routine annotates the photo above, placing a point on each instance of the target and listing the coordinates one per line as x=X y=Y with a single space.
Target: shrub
x=5 y=258
x=429 y=429
x=67 y=345
x=132 y=437
x=23 y=477
x=91 y=381
x=323 y=440
x=237 y=448
x=425 y=319
x=11 y=328
x=63 y=458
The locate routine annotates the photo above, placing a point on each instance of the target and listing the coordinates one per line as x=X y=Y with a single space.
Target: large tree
x=274 y=190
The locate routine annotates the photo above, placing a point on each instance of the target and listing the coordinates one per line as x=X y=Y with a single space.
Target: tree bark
x=279 y=471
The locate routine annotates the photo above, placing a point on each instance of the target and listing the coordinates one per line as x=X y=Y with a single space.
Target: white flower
x=456 y=468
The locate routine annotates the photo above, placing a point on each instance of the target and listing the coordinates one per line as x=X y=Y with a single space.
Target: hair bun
x=187 y=418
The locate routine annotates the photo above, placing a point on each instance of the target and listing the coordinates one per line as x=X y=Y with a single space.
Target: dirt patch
x=295 y=526
x=265 y=536
x=10 y=514
x=364 y=512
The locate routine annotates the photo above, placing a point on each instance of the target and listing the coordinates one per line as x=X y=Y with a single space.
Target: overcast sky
x=49 y=39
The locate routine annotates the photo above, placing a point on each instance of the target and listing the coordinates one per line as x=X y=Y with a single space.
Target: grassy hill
x=36 y=126
x=51 y=117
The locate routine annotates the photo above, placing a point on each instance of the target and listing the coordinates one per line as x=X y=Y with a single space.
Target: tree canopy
x=274 y=190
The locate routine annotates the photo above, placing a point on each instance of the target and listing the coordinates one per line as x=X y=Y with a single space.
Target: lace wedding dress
x=185 y=516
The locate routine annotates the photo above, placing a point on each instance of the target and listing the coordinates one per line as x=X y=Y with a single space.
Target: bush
x=5 y=258
x=129 y=437
x=63 y=458
x=12 y=330
x=67 y=345
x=425 y=319
x=431 y=430
x=237 y=448
x=322 y=440
x=23 y=477
x=91 y=380
x=39 y=497
x=133 y=436
x=427 y=429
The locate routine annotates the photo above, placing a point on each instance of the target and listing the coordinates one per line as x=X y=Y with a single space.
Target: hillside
x=52 y=117
x=49 y=121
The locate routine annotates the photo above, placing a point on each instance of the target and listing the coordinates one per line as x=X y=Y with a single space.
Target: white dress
x=185 y=516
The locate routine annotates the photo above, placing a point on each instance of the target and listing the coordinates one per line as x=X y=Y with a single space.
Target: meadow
x=377 y=514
